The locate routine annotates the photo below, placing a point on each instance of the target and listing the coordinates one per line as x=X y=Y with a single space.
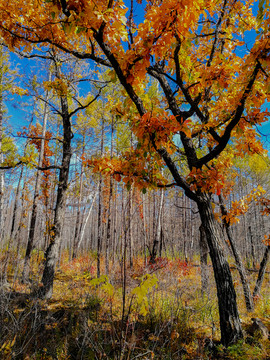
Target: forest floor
x=144 y=312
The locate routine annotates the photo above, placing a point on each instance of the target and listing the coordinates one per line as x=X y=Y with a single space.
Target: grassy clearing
x=154 y=312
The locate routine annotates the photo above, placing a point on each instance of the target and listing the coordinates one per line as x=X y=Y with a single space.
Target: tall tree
x=6 y=82
x=60 y=87
x=1 y=135
x=41 y=146
x=193 y=50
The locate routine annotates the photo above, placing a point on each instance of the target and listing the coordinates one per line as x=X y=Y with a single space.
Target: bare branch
x=86 y=105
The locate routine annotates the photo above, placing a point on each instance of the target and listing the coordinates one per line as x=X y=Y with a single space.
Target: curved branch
x=78 y=54
x=122 y=78
x=181 y=116
x=7 y=167
x=224 y=139
x=86 y=105
x=180 y=181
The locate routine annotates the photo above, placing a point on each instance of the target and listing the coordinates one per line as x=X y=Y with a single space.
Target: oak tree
x=214 y=82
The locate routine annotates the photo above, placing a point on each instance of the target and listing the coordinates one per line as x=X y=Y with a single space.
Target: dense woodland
x=134 y=176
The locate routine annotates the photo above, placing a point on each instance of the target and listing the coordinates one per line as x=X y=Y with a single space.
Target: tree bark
x=157 y=238
x=1 y=136
x=109 y=211
x=52 y=252
x=230 y=325
x=262 y=270
x=99 y=237
x=203 y=260
x=252 y=247
x=79 y=216
x=85 y=221
x=16 y=200
x=31 y=235
x=237 y=258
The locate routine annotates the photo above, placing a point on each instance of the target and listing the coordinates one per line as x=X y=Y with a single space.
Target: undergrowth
x=156 y=312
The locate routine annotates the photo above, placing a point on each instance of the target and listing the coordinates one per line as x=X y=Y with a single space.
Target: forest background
x=117 y=204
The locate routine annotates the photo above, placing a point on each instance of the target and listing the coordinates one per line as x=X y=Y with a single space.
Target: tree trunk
x=252 y=247
x=85 y=221
x=237 y=258
x=52 y=252
x=144 y=230
x=203 y=260
x=99 y=237
x=157 y=238
x=79 y=216
x=108 y=229
x=109 y=212
x=230 y=325
x=1 y=136
x=16 y=200
x=129 y=227
x=31 y=235
x=262 y=269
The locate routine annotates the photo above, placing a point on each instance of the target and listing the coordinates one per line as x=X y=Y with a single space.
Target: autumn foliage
x=213 y=84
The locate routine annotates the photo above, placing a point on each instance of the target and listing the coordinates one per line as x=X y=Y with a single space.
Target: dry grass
x=164 y=314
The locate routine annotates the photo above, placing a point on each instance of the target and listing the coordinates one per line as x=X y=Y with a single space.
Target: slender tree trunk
x=31 y=235
x=203 y=260
x=23 y=219
x=86 y=220
x=16 y=200
x=157 y=238
x=185 y=229
x=108 y=229
x=1 y=139
x=99 y=238
x=52 y=200
x=252 y=247
x=237 y=258
x=144 y=230
x=78 y=226
x=230 y=325
x=52 y=252
x=129 y=227
x=262 y=270
x=109 y=216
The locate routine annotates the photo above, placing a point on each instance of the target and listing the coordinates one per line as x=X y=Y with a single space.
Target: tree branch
x=181 y=116
x=224 y=139
x=77 y=54
x=86 y=105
